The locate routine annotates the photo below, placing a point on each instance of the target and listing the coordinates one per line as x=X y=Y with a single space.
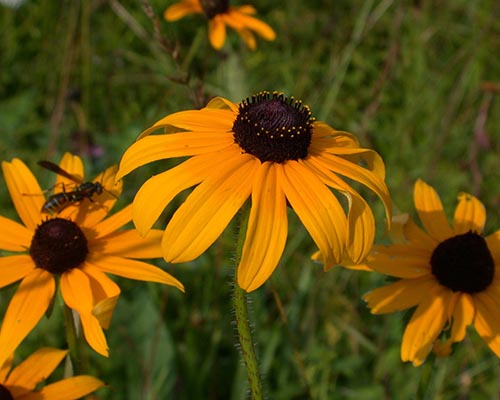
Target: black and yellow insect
x=59 y=201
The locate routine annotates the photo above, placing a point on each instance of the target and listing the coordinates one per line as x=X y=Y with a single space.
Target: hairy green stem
x=240 y=303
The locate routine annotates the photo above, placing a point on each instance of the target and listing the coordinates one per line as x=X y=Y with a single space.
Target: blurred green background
x=418 y=81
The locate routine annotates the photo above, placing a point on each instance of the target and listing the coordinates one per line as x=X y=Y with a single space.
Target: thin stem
x=75 y=342
x=242 y=320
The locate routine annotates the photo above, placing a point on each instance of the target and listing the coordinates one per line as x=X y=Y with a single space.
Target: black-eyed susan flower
x=23 y=381
x=448 y=273
x=219 y=14
x=268 y=148
x=76 y=248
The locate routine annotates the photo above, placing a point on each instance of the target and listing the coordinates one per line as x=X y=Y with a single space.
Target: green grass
x=407 y=77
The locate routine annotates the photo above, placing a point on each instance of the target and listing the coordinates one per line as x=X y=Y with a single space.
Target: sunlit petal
x=150 y=202
x=92 y=209
x=430 y=211
x=267 y=229
x=249 y=38
x=399 y=296
x=470 y=215
x=25 y=309
x=408 y=264
x=93 y=333
x=425 y=325
x=76 y=290
x=487 y=320
x=105 y=294
x=33 y=370
x=371 y=180
x=239 y=21
x=158 y=147
x=14 y=236
x=67 y=389
x=463 y=316
x=134 y=269
x=72 y=165
x=112 y=223
x=200 y=220
x=217 y=32
x=25 y=192
x=128 y=243
x=13 y=268
x=318 y=209
x=179 y=10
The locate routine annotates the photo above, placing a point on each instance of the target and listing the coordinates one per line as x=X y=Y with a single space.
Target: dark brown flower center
x=58 y=245
x=5 y=393
x=463 y=263
x=211 y=8
x=273 y=128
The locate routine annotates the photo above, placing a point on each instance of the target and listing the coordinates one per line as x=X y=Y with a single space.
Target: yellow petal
x=430 y=211
x=220 y=103
x=493 y=242
x=128 y=243
x=179 y=10
x=74 y=166
x=76 y=291
x=25 y=192
x=158 y=191
x=13 y=268
x=368 y=178
x=14 y=236
x=207 y=121
x=248 y=37
x=93 y=209
x=409 y=264
x=134 y=269
x=112 y=223
x=105 y=294
x=239 y=21
x=159 y=147
x=463 y=316
x=93 y=333
x=33 y=370
x=67 y=389
x=425 y=325
x=267 y=229
x=5 y=368
x=361 y=223
x=200 y=220
x=399 y=296
x=217 y=32
x=470 y=215
x=317 y=208
x=26 y=308
x=418 y=238
x=325 y=138
x=487 y=319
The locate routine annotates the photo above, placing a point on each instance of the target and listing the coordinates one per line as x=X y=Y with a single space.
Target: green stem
x=75 y=343
x=242 y=320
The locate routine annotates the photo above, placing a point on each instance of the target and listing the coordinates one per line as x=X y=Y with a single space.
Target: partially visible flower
x=448 y=273
x=219 y=14
x=22 y=382
x=271 y=149
x=78 y=247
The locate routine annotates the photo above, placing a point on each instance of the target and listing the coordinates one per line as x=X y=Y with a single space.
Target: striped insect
x=59 y=201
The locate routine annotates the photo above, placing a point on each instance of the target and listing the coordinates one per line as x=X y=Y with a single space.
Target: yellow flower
x=270 y=148
x=220 y=14
x=448 y=273
x=77 y=246
x=22 y=382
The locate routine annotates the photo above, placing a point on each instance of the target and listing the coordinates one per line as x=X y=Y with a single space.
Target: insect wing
x=58 y=170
